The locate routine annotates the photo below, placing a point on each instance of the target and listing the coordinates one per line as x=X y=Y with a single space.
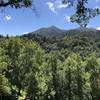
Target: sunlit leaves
x=27 y=71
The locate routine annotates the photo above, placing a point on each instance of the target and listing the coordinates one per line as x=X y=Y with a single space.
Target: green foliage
x=83 y=14
x=4 y=84
x=16 y=3
x=82 y=40
x=67 y=73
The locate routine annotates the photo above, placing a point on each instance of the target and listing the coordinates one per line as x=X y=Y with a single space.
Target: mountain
x=82 y=40
x=83 y=29
x=83 y=32
x=47 y=32
x=53 y=31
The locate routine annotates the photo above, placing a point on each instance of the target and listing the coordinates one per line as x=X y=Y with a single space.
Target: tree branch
x=6 y=4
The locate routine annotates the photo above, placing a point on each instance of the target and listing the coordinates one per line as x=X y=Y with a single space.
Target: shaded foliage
x=83 y=14
x=70 y=72
x=15 y=3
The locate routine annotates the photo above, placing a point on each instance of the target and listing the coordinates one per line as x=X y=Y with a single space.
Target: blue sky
x=51 y=12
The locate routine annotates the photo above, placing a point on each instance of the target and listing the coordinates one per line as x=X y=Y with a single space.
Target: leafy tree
x=27 y=71
x=83 y=14
x=15 y=3
x=55 y=80
x=74 y=77
x=93 y=67
x=24 y=60
x=32 y=60
x=5 y=91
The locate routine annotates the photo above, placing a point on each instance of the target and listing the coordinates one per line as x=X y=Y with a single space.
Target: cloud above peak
x=51 y=7
x=54 y=6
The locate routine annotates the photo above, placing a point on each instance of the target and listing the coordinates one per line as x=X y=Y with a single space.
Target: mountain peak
x=54 y=31
x=53 y=27
x=51 y=31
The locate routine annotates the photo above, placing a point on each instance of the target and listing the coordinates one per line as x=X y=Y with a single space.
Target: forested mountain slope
x=47 y=32
x=82 y=40
x=66 y=67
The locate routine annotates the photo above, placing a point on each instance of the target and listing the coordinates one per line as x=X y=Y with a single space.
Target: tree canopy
x=15 y=3
x=83 y=14
x=69 y=71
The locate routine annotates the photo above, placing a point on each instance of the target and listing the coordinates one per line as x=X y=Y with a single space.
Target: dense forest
x=64 y=67
x=50 y=63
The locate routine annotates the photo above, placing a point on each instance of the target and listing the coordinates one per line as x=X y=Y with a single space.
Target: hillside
x=35 y=64
x=54 y=32
x=47 y=32
x=81 y=40
x=88 y=32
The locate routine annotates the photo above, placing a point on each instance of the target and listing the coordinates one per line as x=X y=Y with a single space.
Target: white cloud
x=54 y=6
x=62 y=6
x=68 y=18
x=98 y=28
x=8 y=17
x=51 y=7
